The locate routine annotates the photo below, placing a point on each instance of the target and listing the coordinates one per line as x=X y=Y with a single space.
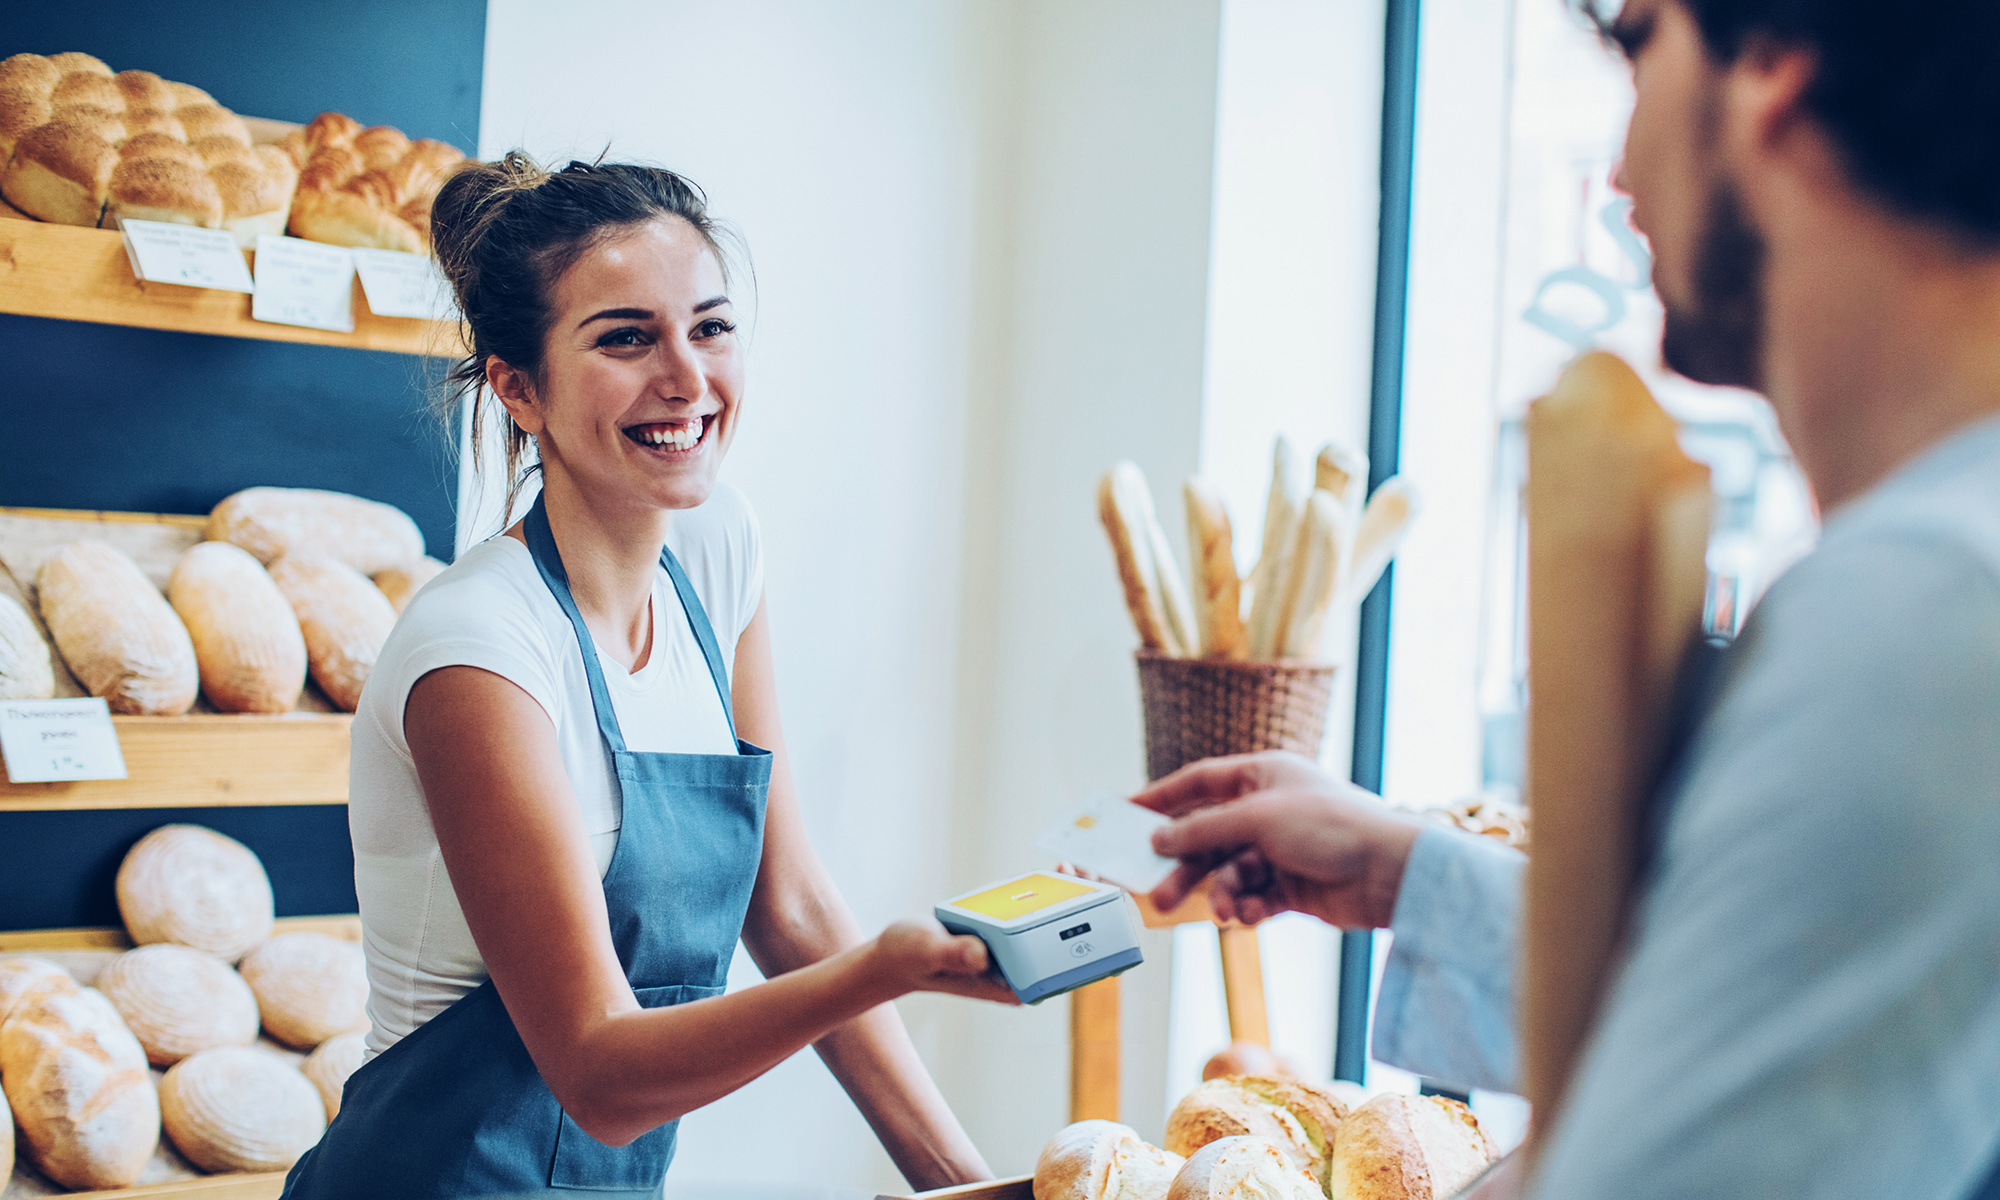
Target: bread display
x=77 y=1082
x=240 y=1108
x=195 y=887
x=1398 y=1147
x=1103 y=1160
x=344 y=617
x=247 y=643
x=272 y=522
x=1296 y=1116
x=399 y=584
x=84 y=146
x=1218 y=590
x=179 y=1001
x=1243 y=1168
x=309 y=985
x=26 y=671
x=116 y=631
x=366 y=187
x=329 y=1066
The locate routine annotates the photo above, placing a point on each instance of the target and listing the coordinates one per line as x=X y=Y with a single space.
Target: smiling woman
x=561 y=824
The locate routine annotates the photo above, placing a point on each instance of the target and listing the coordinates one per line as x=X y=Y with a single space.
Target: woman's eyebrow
x=618 y=314
x=711 y=302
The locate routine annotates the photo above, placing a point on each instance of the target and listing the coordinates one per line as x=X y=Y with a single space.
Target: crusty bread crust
x=247 y=640
x=195 y=887
x=116 y=631
x=179 y=1001
x=1243 y=1167
x=1398 y=1147
x=344 y=617
x=241 y=1108
x=77 y=1082
x=309 y=985
x=272 y=522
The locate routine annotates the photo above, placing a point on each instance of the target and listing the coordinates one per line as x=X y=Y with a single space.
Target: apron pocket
x=583 y=1163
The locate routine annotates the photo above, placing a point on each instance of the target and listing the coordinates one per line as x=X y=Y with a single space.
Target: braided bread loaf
x=366 y=187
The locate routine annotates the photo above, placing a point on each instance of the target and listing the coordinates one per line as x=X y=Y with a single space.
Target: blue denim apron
x=457 y=1107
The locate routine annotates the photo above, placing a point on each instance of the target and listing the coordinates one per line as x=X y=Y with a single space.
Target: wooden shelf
x=77 y=274
x=209 y=760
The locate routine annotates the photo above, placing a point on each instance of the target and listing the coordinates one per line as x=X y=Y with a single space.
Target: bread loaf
x=1103 y=1160
x=1341 y=472
x=1218 y=590
x=399 y=584
x=1383 y=524
x=1242 y=1167
x=345 y=619
x=273 y=522
x=1249 y=1058
x=76 y=1079
x=1311 y=578
x=366 y=187
x=246 y=639
x=1398 y=1147
x=1126 y=511
x=1297 y=1116
x=116 y=632
x=26 y=671
x=1281 y=516
x=309 y=985
x=178 y=1001
x=239 y=1108
x=195 y=887
x=329 y=1066
x=23 y=979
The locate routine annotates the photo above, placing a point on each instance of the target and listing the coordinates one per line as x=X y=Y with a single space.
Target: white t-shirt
x=491 y=610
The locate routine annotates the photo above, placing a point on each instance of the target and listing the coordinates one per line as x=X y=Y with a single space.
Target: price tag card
x=46 y=741
x=162 y=252
x=396 y=284
x=304 y=283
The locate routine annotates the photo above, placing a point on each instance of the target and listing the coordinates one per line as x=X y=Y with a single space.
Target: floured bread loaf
x=246 y=638
x=329 y=1066
x=1398 y=1147
x=366 y=187
x=116 y=631
x=239 y=1108
x=273 y=522
x=26 y=671
x=345 y=619
x=77 y=1081
x=177 y=1001
x=195 y=887
x=24 y=978
x=401 y=583
x=1242 y=1167
x=1297 y=1116
x=1103 y=1160
x=309 y=985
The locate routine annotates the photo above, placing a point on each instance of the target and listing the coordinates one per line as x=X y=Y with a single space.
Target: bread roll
x=26 y=671
x=239 y=1108
x=1299 y=1117
x=272 y=522
x=246 y=638
x=1243 y=1168
x=1281 y=515
x=1398 y=1147
x=329 y=1066
x=345 y=619
x=116 y=631
x=195 y=887
x=76 y=1079
x=1383 y=524
x=309 y=985
x=1311 y=578
x=1126 y=512
x=1103 y=1160
x=1218 y=590
x=399 y=584
x=177 y=1001
x=366 y=187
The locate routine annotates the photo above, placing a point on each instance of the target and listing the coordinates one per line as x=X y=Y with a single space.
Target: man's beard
x=1717 y=337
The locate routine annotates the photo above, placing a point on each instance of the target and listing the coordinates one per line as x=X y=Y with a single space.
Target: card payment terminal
x=1048 y=933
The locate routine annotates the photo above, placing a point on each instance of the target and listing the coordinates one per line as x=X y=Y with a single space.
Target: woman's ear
x=517 y=396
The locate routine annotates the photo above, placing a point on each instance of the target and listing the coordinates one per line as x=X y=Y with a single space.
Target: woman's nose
x=680 y=376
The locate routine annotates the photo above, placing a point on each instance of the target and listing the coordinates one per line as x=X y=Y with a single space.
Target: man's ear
x=517 y=395
x=1764 y=99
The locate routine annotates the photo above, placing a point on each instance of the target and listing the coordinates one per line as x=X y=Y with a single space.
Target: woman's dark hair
x=1910 y=93
x=504 y=233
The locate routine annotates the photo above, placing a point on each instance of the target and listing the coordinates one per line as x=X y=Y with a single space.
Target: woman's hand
x=923 y=957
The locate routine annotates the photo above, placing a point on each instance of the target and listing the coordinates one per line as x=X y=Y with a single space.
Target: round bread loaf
x=1103 y=1160
x=345 y=619
x=26 y=670
x=329 y=1066
x=246 y=638
x=77 y=1082
x=1241 y=1167
x=178 y=1001
x=195 y=887
x=116 y=631
x=1398 y=1147
x=272 y=522
x=309 y=985
x=401 y=583
x=238 y=1108
x=1298 y=1117
x=23 y=979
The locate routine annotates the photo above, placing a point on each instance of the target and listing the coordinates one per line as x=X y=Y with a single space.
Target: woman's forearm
x=873 y=1058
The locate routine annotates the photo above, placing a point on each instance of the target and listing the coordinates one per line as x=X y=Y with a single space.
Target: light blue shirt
x=1810 y=1006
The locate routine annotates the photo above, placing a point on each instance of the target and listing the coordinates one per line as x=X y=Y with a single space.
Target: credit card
x=1112 y=838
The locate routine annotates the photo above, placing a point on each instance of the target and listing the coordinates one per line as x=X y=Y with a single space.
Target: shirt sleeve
x=1446 y=1005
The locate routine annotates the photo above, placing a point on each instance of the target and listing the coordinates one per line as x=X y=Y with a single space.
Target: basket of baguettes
x=1240 y=663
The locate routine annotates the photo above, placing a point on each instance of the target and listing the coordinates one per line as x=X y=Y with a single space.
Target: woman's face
x=642 y=372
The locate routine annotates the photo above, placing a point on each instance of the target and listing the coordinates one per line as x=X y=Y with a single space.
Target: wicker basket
x=1201 y=708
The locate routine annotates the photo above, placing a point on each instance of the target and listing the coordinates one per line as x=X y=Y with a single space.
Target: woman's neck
x=610 y=553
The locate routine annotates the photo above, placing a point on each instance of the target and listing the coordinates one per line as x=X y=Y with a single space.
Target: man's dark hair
x=1909 y=92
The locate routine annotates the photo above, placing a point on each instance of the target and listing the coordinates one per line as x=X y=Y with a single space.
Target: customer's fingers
x=1179 y=885
x=1221 y=830
x=1199 y=784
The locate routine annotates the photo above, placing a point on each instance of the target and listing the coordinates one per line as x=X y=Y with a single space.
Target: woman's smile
x=675 y=440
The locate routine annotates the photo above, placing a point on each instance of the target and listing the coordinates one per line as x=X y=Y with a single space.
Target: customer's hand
x=922 y=956
x=1279 y=835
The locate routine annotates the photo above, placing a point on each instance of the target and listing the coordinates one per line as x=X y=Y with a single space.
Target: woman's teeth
x=682 y=438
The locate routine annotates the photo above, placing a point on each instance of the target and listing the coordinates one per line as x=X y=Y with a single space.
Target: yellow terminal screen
x=1019 y=897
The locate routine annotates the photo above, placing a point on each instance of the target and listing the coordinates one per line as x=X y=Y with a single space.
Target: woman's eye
x=623 y=337
x=713 y=327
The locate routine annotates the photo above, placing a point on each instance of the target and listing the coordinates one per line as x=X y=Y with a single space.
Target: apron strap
x=698 y=619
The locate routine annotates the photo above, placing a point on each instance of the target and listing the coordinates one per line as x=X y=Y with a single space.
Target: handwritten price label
x=304 y=283
x=48 y=741
x=162 y=252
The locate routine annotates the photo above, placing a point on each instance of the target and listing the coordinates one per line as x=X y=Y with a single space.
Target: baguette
x=1121 y=506
x=1383 y=524
x=1173 y=587
x=1343 y=472
x=246 y=639
x=26 y=670
x=1218 y=592
x=1281 y=517
x=1312 y=577
x=344 y=617
x=272 y=522
x=116 y=631
x=77 y=1082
